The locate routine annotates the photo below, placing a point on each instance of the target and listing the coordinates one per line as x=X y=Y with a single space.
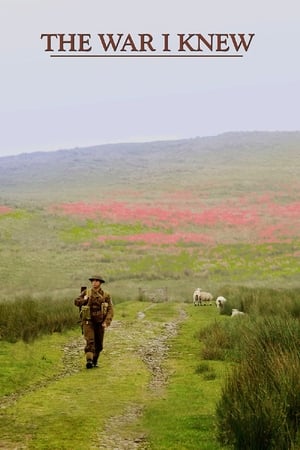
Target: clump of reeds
x=260 y=403
x=26 y=318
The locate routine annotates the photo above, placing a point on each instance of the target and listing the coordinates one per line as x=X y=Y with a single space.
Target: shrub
x=260 y=403
x=202 y=367
x=261 y=301
x=221 y=341
x=28 y=319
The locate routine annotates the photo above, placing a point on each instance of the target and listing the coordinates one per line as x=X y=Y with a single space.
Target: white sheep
x=206 y=298
x=220 y=301
x=196 y=297
x=236 y=312
x=202 y=298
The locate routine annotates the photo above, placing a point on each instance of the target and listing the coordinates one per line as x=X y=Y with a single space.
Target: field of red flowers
x=257 y=219
x=179 y=236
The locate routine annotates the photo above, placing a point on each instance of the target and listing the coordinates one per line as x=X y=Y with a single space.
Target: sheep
x=196 y=297
x=206 y=298
x=202 y=298
x=220 y=301
x=236 y=312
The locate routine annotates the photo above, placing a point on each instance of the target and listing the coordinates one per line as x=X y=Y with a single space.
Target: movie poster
x=149 y=225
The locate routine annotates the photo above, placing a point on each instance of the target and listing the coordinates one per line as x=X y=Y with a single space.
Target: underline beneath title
x=146 y=56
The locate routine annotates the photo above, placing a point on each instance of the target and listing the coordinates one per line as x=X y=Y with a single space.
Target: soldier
x=96 y=312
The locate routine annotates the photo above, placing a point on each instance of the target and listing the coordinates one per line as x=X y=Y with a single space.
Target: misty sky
x=59 y=103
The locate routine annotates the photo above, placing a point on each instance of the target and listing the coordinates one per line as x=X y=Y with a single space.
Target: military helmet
x=98 y=278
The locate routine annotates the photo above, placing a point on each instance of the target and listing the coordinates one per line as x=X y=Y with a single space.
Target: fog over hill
x=268 y=158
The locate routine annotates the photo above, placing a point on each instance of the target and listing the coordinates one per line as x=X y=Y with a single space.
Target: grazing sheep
x=220 y=301
x=196 y=297
x=202 y=298
x=206 y=298
x=236 y=312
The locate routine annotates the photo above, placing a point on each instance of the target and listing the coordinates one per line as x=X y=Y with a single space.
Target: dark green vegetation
x=259 y=407
x=27 y=318
x=260 y=403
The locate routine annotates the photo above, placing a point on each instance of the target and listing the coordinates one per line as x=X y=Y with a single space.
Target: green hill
x=181 y=214
x=233 y=162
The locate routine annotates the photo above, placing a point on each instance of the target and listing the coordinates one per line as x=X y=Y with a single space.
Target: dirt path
x=153 y=352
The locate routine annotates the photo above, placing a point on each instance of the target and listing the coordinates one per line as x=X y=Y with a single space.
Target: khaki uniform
x=100 y=312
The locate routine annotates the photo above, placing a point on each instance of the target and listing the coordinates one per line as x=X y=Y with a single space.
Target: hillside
x=176 y=214
x=236 y=161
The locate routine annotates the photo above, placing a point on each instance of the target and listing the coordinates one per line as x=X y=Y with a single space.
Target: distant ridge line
x=157 y=141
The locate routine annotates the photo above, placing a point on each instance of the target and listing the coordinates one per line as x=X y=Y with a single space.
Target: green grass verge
x=184 y=417
x=25 y=364
x=71 y=412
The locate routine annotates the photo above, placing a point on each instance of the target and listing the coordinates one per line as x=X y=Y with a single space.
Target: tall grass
x=260 y=403
x=262 y=301
x=259 y=408
x=26 y=318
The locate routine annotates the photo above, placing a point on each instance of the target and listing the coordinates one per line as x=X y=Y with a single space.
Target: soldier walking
x=96 y=312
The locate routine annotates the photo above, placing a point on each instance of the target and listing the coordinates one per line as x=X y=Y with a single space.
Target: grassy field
x=53 y=250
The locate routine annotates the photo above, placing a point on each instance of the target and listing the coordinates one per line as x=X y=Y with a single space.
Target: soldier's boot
x=89 y=360
x=95 y=361
x=89 y=364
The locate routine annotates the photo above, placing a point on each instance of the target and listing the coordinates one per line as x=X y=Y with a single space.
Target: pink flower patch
x=249 y=218
x=5 y=209
x=291 y=210
x=154 y=216
x=277 y=233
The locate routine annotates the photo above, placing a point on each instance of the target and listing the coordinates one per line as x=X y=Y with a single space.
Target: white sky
x=51 y=103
